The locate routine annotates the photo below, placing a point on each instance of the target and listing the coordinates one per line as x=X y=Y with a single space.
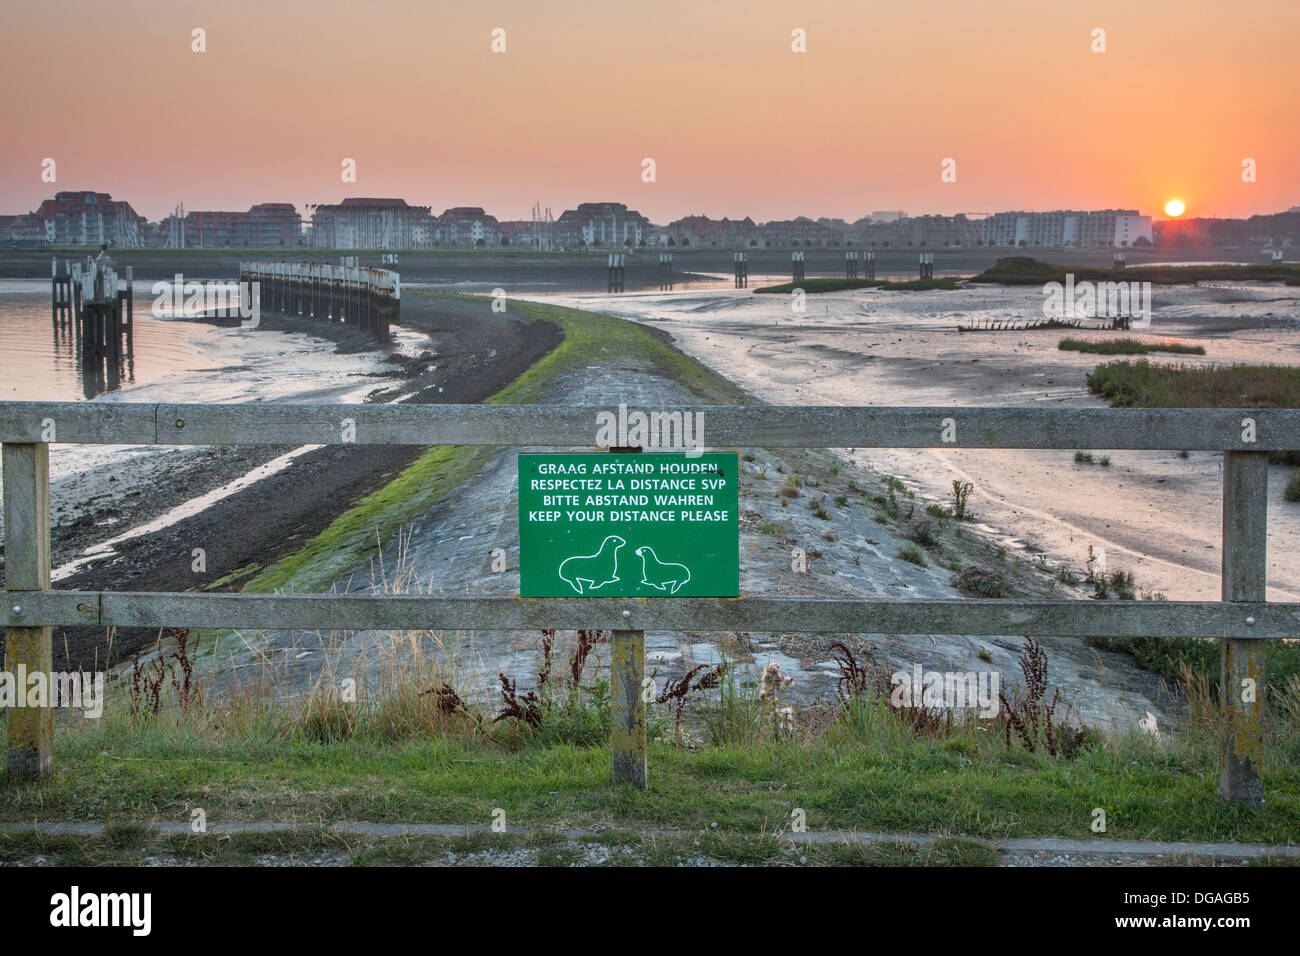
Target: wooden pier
x=365 y=299
x=95 y=308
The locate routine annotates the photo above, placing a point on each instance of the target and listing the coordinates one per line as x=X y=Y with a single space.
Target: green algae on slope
x=364 y=528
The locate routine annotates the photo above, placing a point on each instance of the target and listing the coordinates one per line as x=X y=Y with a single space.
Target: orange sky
x=737 y=123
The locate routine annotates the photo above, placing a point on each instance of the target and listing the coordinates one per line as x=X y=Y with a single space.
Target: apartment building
x=1066 y=227
x=800 y=231
x=467 y=226
x=721 y=233
x=604 y=225
x=370 y=223
x=916 y=231
x=86 y=218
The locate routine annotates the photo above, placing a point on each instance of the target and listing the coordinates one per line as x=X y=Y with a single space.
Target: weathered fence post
x=28 y=650
x=1245 y=544
x=628 y=707
x=627 y=703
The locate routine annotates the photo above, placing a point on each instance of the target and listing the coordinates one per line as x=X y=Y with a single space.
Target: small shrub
x=1122 y=583
x=983 y=580
x=924 y=532
x=1030 y=713
x=912 y=554
x=960 y=496
x=1292 y=490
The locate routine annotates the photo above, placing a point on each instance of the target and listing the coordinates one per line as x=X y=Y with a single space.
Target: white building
x=1065 y=227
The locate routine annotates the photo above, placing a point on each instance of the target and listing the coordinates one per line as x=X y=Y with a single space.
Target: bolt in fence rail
x=1240 y=622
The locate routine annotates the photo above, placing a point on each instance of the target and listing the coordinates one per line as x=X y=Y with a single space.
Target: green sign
x=628 y=525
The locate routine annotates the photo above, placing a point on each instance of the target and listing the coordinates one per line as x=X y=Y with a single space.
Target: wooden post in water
x=28 y=650
x=665 y=271
x=130 y=308
x=1245 y=545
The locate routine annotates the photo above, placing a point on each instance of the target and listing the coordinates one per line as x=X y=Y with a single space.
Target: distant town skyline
x=737 y=122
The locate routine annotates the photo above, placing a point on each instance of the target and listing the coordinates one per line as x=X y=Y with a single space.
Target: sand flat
x=1153 y=512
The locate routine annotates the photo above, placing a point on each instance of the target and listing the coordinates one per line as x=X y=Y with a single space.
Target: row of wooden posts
x=364 y=298
x=617 y=265
x=96 y=306
x=868 y=259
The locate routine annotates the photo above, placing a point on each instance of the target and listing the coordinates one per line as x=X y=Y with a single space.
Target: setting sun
x=1174 y=207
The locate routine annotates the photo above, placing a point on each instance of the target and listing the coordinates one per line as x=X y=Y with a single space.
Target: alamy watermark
x=76 y=908
x=669 y=431
x=947 y=690
x=191 y=299
x=75 y=690
x=1095 y=300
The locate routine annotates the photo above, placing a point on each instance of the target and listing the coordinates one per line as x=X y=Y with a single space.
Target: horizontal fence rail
x=1241 y=622
x=774 y=426
x=1209 y=619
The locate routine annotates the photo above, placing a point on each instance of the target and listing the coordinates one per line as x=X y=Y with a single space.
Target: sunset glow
x=1174 y=208
x=738 y=124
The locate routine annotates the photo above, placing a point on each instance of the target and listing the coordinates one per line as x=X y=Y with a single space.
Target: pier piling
x=616 y=271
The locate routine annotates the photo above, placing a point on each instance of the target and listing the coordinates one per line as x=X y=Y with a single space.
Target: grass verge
x=1127 y=347
x=959 y=784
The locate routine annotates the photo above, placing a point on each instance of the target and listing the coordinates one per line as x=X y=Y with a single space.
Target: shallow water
x=42 y=359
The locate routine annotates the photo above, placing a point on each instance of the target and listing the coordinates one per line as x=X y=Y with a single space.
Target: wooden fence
x=1240 y=622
